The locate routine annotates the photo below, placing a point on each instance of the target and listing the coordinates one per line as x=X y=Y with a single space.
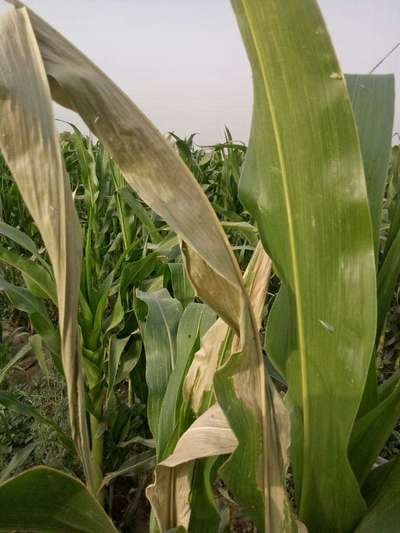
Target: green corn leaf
x=372 y=430
x=388 y=276
x=376 y=479
x=393 y=194
x=25 y=301
x=387 y=387
x=303 y=181
x=129 y=360
x=135 y=272
x=372 y=100
x=19 y=237
x=36 y=277
x=181 y=286
x=117 y=315
x=159 y=338
x=43 y=500
x=139 y=211
x=96 y=327
x=383 y=514
x=205 y=515
x=116 y=347
x=195 y=319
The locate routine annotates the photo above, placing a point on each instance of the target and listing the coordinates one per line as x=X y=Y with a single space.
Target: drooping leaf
x=129 y=360
x=199 y=381
x=247 y=230
x=44 y=500
x=209 y=435
x=154 y=170
x=31 y=149
x=141 y=213
x=185 y=487
x=36 y=277
x=303 y=181
x=135 y=272
x=216 y=344
x=19 y=237
x=25 y=301
x=116 y=347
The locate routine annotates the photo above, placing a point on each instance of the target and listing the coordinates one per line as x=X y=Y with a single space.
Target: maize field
x=199 y=339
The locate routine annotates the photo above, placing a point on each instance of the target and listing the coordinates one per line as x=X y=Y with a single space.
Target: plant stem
x=96 y=454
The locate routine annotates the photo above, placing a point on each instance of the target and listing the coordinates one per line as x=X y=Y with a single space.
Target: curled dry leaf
x=30 y=145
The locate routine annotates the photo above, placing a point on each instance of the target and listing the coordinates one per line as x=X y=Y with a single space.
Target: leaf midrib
x=292 y=241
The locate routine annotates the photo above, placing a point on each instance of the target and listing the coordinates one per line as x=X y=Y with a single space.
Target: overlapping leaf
x=153 y=169
x=383 y=514
x=372 y=100
x=176 y=484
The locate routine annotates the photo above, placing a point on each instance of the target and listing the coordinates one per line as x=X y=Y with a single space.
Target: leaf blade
x=44 y=500
x=300 y=100
x=32 y=152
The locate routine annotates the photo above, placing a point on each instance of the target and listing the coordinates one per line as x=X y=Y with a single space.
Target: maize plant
x=313 y=180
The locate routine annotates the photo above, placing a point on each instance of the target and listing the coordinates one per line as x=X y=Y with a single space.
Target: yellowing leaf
x=29 y=142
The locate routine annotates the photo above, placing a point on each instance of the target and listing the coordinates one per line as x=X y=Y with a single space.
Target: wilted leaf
x=160 y=177
x=29 y=143
x=209 y=435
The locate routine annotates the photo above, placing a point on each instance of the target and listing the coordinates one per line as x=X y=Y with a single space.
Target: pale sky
x=182 y=61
